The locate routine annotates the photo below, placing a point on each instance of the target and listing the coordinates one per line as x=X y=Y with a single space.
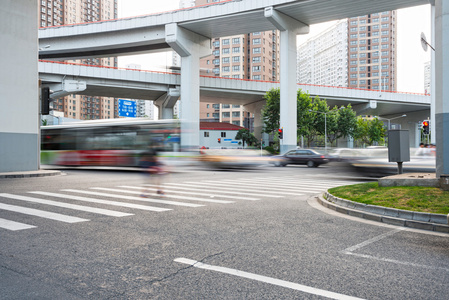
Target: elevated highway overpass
x=148 y=85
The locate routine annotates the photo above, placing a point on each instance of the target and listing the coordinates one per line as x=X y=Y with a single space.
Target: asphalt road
x=244 y=234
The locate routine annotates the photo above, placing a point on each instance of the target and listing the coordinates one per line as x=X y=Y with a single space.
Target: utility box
x=398 y=146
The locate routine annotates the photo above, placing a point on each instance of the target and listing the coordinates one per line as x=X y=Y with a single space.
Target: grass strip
x=413 y=198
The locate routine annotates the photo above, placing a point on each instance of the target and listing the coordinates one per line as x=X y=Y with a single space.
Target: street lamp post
x=389 y=126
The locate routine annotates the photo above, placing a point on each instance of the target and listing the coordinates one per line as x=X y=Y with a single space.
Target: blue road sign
x=127 y=108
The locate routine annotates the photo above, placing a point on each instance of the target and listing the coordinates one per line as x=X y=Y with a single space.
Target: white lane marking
x=269 y=280
x=201 y=192
x=139 y=198
x=107 y=202
x=219 y=188
x=11 y=225
x=373 y=240
x=405 y=263
x=275 y=186
x=66 y=205
x=178 y=197
x=41 y=213
x=350 y=251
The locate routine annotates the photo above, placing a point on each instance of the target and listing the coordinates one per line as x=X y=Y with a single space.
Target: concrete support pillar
x=432 y=77
x=191 y=47
x=166 y=102
x=19 y=87
x=289 y=28
x=442 y=86
x=256 y=109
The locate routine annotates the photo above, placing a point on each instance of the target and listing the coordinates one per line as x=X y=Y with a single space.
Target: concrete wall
x=19 y=98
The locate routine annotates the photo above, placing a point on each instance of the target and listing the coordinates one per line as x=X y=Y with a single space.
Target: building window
x=235 y=68
x=257 y=59
x=236 y=76
x=225 y=60
x=256 y=41
x=256 y=68
x=235 y=49
x=216 y=44
x=216 y=61
x=257 y=50
x=216 y=52
x=225 y=51
x=236 y=114
x=256 y=77
x=256 y=33
x=225 y=42
x=236 y=40
x=206 y=134
x=236 y=59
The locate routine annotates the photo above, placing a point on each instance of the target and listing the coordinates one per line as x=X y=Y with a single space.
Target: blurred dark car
x=308 y=157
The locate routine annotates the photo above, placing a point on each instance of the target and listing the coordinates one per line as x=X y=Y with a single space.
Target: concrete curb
x=398 y=217
x=28 y=174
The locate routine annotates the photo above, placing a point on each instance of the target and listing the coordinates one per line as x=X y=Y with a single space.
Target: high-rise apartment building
x=358 y=52
x=62 y=12
x=253 y=56
x=323 y=59
x=372 y=51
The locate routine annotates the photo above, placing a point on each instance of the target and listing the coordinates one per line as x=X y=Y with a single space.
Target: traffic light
x=45 y=101
x=425 y=127
x=281 y=133
x=219 y=140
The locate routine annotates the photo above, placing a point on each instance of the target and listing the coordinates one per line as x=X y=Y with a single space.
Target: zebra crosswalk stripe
x=180 y=197
x=14 y=226
x=138 y=198
x=67 y=205
x=106 y=202
x=41 y=213
x=277 y=187
x=219 y=188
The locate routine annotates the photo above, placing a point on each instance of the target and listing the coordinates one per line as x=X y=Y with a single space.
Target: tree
x=369 y=131
x=246 y=137
x=341 y=122
x=271 y=110
x=347 y=121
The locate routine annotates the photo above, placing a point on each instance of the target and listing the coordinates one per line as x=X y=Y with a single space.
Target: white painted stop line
x=270 y=280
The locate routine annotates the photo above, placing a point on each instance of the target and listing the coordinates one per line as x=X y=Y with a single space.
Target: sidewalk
x=398 y=217
x=27 y=174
